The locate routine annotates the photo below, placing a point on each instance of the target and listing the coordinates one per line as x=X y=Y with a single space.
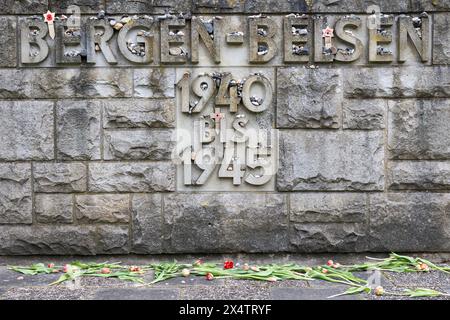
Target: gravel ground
x=14 y=286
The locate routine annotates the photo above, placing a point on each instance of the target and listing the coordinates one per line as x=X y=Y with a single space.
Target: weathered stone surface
x=107 y=208
x=226 y=222
x=65 y=239
x=138 y=113
x=154 y=83
x=26 y=129
x=328 y=207
x=328 y=237
x=250 y=6
x=50 y=83
x=397 y=82
x=78 y=125
x=308 y=98
x=138 y=145
x=15 y=193
x=86 y=6
x=59 y=177
x=424 y=175
x=23 y=6
x=386 y=6
x=441 y=39
x=8 y=54
x=147 y=223
x=154 y=6
x=419 y=129
x=409 y=222
x=113 y=239
x=132 y=177
x=54 y=208
x=314 y=161
x=364 y=114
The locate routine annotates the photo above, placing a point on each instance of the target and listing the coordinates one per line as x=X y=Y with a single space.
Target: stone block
x=423 y=175
x=153 y=7
x=225 y=222
x=364 y=114
x=154 y=83
x=441 y=38
x=113 y=239
x=132 y=177
x=249 y=6
x=63 y=240
x=397 y=82
x=26 y=128
x=54 y=208
x=102 y=208
x=60 y=177
x=138 y=145
x=328 y=237
x=23 y=6
x=15 y=193
x=419 y=129
x=386 y=6
x=309 y=98
x=78 y=130
x=328 y=207
x=314 y=161
x=409 y=222
x=40 y=83
x=147 y=223
x=138 y=113
x=8 y=54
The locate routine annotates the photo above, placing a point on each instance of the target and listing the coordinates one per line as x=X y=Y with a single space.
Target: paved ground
x=15 y=286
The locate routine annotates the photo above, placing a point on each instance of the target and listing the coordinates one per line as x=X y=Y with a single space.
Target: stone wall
x=85 y=151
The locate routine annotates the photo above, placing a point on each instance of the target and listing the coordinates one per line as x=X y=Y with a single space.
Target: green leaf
x=423 y=292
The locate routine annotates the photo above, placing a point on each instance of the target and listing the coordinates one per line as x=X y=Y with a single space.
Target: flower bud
x=198 y=262
x=246 y=267
x=324 y=270
x=209 y=276
x=105 y=271
x=272 y=279
x=379 y=291
x=51 y=265
x=330 y=263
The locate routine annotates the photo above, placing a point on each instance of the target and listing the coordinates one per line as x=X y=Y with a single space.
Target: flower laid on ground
x=105 y=271
x=330 y=263
x=379 y=291
x=334 y=273
x=423 y=267
x=185 y=272
x=135 y=269
x=198 y=262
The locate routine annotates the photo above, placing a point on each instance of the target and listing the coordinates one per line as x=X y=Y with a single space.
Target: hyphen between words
x=304 y=38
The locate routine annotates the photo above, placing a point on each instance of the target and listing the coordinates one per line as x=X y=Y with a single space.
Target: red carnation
x=228 y=264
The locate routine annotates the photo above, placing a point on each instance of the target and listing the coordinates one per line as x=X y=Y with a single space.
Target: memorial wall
x=224 y=126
